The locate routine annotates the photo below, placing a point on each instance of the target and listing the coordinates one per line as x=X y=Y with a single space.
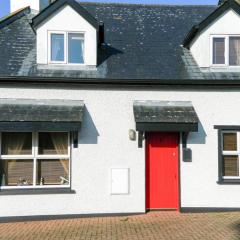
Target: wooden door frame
x=179 y=172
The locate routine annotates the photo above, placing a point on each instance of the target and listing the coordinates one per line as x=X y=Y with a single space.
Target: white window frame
x=231 y=153
x=66 y=62
x=226 y=54
x=34 y=157
x=50 y=47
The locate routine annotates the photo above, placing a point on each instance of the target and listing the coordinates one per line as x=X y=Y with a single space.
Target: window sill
x=34 y=191
x=228 y=181
x=67 y=67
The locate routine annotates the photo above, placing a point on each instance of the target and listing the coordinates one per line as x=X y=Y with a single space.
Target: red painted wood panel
x=162 y=187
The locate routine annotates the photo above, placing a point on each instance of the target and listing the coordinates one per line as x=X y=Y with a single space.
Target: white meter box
x=120 y=181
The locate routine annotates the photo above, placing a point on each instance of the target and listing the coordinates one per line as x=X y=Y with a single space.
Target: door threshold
x=161 y=209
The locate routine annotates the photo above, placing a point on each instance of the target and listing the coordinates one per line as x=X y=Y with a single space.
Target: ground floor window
x=230 y=154
x=34 y=159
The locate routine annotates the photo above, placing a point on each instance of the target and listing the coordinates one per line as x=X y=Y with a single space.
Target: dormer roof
x=224 y=6
x=54 y=6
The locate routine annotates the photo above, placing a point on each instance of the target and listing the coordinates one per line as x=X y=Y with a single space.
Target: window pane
x=16 y=172
x=75 y=48
x=53 y=172
x=16 y=143
x=230 y=142
x=234 y=51
x=218 y=51
x=57 y=47
x=53 y=143
x=230 y=166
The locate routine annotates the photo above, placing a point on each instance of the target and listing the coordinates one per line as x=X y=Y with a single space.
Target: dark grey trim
x=167 y=127
x=67 y=216
x=48 y=11
x=220 y=165
x=34 y=191
x=221 y=180
x=39 y=126
x=227 y=127
x=207 y=209
x=116 y=83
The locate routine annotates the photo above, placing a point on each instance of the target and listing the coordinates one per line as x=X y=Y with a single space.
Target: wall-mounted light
x=132 y=135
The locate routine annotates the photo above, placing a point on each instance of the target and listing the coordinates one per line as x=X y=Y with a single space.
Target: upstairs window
x=234 y=51
x=225 y=51
x=218 y=50
x=75 y=47
x=57 y=47
x=66 y=48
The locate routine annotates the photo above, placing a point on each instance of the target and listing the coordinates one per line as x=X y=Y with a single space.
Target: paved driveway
x=154 y=225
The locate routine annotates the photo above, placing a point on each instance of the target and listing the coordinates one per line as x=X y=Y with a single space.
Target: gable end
x=230 y=4
x=48 y=11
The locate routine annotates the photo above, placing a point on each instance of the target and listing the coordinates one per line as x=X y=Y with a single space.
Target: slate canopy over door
x=161 y=123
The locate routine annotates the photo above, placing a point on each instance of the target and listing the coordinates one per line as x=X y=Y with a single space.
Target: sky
x=4 y=4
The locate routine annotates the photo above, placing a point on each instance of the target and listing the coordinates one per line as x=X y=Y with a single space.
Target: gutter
x=121 y=82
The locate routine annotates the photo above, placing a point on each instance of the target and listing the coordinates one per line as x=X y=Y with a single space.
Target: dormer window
x=234 y=51
x=225 y=51
x=66 y=48
x=218 y=51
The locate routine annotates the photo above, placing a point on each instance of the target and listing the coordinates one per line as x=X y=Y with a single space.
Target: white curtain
x=60 y=142
x=82 y=50
x=234 y=51
x=12 y=145
x=57 y=47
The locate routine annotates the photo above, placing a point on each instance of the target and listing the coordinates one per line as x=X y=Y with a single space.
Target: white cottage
x=118 y=109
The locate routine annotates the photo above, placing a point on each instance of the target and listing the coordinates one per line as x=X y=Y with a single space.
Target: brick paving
x=151 y=226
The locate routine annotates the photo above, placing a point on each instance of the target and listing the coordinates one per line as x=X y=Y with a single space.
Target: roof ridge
x=14 y=16
x=140 y=4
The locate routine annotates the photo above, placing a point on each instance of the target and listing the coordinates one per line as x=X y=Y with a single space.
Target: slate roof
x=27 y=110
x=142 y=42
x=164 y=112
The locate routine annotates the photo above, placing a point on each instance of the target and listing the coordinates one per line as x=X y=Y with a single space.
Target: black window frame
x=221 y=129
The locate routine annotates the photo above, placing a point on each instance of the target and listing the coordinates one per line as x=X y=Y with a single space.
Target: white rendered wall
x=67 y=19
x=18 y=4
x=104 y=144
x=224 y=25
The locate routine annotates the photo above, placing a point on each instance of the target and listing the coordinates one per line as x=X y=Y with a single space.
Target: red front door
x=162 y=171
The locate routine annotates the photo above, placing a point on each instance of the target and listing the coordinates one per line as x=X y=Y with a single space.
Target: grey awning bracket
x=184 y=139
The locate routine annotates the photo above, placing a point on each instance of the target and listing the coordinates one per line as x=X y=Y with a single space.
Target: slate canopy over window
x=35 y=142
x=40 y=115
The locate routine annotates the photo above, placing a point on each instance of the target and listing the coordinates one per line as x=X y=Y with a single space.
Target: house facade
x=118 y=109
